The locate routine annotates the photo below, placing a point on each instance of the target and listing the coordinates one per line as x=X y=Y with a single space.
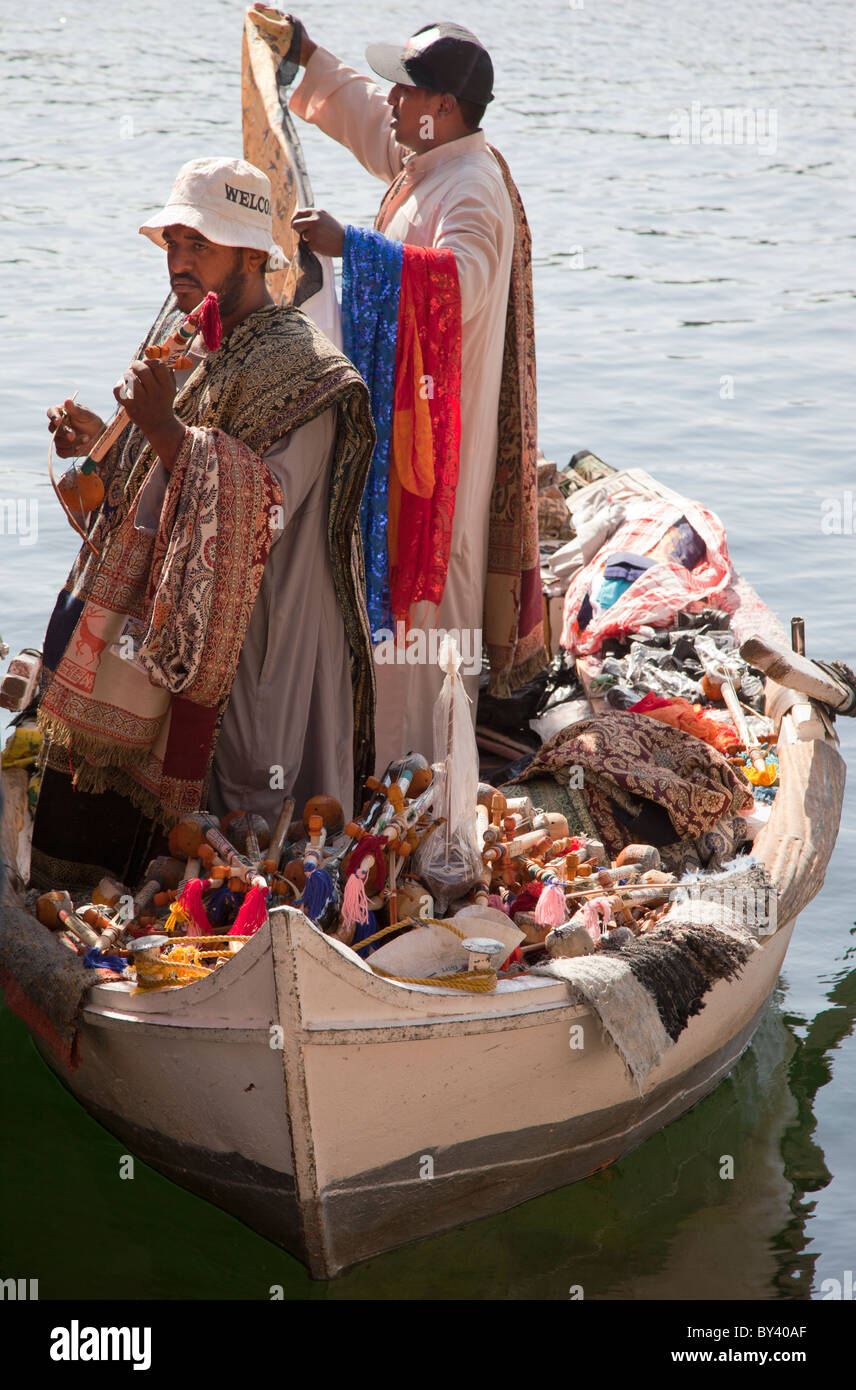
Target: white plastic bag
x=448 y=861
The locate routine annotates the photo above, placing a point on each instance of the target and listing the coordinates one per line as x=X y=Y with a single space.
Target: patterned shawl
x=178 y=604
x=513 y=605
x=627 y=759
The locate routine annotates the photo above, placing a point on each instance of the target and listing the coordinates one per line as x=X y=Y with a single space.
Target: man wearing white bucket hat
x=210 y=647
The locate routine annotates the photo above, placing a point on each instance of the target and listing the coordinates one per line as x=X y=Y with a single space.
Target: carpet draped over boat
x=645 y=993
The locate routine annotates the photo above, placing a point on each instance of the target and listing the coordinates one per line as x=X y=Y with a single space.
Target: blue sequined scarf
x=371 y=283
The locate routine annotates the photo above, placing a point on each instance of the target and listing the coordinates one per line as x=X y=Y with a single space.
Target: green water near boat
x=661 y=273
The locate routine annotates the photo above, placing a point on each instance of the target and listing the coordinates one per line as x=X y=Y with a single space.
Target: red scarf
x=426 y=428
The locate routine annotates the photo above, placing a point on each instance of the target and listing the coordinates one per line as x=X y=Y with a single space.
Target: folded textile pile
x=647 y=782
x=690 y=562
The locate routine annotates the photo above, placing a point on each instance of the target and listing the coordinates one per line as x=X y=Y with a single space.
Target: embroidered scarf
x=144 y=641
x=513 y=605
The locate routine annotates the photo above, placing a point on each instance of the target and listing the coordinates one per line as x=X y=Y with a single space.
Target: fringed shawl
x=275 y=372
x=513 y=605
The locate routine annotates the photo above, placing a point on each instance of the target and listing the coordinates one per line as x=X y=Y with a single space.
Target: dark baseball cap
x=441 y=57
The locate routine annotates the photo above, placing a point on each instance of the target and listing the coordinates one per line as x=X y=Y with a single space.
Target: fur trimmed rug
x=646 y=992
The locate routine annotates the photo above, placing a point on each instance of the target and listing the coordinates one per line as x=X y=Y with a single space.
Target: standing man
x=211 y=646
x=448 y=190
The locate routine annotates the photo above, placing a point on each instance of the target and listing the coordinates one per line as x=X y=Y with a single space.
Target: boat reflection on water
x=660 y=1224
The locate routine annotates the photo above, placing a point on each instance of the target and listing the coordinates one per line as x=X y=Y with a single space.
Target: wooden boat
x=341 y=1114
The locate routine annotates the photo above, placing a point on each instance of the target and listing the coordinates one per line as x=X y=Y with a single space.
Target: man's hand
x=74 y=428
x=319 y=231
x=307 y=47
x=150 y=408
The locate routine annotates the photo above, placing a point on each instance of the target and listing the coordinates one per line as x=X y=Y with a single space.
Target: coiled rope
x=469 y=981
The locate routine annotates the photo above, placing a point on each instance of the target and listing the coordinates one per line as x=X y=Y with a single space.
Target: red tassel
x=251 y=913
x=191 y=900
x=515 y=958
x=209 y=322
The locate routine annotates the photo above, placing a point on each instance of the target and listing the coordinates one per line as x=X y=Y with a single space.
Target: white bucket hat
x=227 y=200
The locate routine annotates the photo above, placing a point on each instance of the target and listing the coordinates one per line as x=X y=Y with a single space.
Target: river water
x=694 y=281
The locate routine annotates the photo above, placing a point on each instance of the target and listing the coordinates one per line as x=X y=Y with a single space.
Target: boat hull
x=425 y=1181
x=382 y=1208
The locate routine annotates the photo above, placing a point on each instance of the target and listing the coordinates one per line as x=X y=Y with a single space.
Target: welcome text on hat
x=254 y=201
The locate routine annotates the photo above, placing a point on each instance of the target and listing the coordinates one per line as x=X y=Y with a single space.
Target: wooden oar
x=796 y=672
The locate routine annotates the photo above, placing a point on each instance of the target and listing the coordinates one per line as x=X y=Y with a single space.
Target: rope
x=470 y=981
x=845 y=677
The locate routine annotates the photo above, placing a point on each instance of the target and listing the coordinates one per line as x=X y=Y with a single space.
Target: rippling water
x=695 y=317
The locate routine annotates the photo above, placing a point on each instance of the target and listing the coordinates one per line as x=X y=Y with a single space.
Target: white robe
x=453 y=197
x=288 y=727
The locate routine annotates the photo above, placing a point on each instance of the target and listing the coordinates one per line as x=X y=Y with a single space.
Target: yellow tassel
x=177 y=918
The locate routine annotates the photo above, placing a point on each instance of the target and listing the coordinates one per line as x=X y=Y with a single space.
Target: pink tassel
x=355 y=904
x=496 y=901
x=251 y=913
x=597 y=915
x=209 y=322
x=191 y=900
x=550 y=907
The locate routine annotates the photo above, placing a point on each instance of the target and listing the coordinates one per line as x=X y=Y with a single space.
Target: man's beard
x=231 y=292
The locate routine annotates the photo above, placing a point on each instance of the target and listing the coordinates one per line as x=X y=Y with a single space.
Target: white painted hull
x=390 y=1112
